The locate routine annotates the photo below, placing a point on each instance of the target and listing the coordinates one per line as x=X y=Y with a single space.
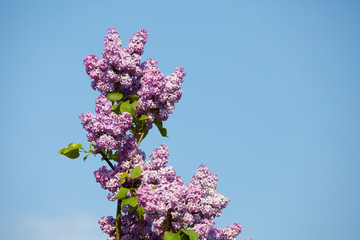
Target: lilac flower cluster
x=169 y=203
x=107 y=225
x=106 y=128
x=175 y=205
x=109 y=179
x=120 y=69
x=118 y=66
x=229 y=232
x=158 y=92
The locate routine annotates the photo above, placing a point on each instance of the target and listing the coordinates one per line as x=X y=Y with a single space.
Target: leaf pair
x=132 y=201
x=140 y=211
x=127 y=107
x=123 y=106
x=134 y=173
x=72 y=151
x=123 y=193
x=126 y=200
x=182 y=234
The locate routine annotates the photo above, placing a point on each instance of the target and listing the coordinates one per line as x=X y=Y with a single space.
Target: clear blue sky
x=270 y=104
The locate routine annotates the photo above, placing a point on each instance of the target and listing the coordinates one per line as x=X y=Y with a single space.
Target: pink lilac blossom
x=162 y=192
x=169 y=203
x=228 y=233
x=110 y=179
x=158 y=93
x=120 y=69
x=118 y=65
x=106 y=128
x=107 y=225
x=130 y=228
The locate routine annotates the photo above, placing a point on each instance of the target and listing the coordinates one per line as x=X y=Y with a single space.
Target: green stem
x=137 y=146
x=141 y=228
x=118 y=210
x=186 y=226
x=118 y=220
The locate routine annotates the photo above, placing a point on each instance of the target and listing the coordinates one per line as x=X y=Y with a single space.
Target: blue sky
x=270 y=104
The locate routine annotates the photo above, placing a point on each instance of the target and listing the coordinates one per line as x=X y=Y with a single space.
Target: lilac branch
x=107 y=160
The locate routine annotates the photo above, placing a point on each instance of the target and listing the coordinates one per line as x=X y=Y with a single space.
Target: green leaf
x=86 y=157
x=159 y=125
x=154 y=187
x=143 y=117
x=185 y=237
x=125 y=175
x=136 y=172
x=132 y=201
x=62 y=151
x=131 y=209
x=114 y=156
x=114 y=96
x=141 y=211
x=171 y=236
x=122 y=193
x=126 y=107
x=74 y=145
x=192 y=235
x=133 y=97
x=116 y=108
x=70 y=152
x=135 y=104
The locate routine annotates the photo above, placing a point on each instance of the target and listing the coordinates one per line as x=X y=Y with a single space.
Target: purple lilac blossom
x=162 y=192
x=120 y=69
x=196 y=204
x=106 y=128
x=158 y=93
x=107 y=225
x=110 y=179
x=169 y=203
x=118 y=65
x=228 y=233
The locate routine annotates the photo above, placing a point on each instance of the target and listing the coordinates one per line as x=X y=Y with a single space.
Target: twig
x=137 y=146
x=107 y=160
x=186 y=225
x=118 y=220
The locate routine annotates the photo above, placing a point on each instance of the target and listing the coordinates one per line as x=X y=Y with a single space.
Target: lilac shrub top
x=153 y=202
x=168 y=201
x=122 y=68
